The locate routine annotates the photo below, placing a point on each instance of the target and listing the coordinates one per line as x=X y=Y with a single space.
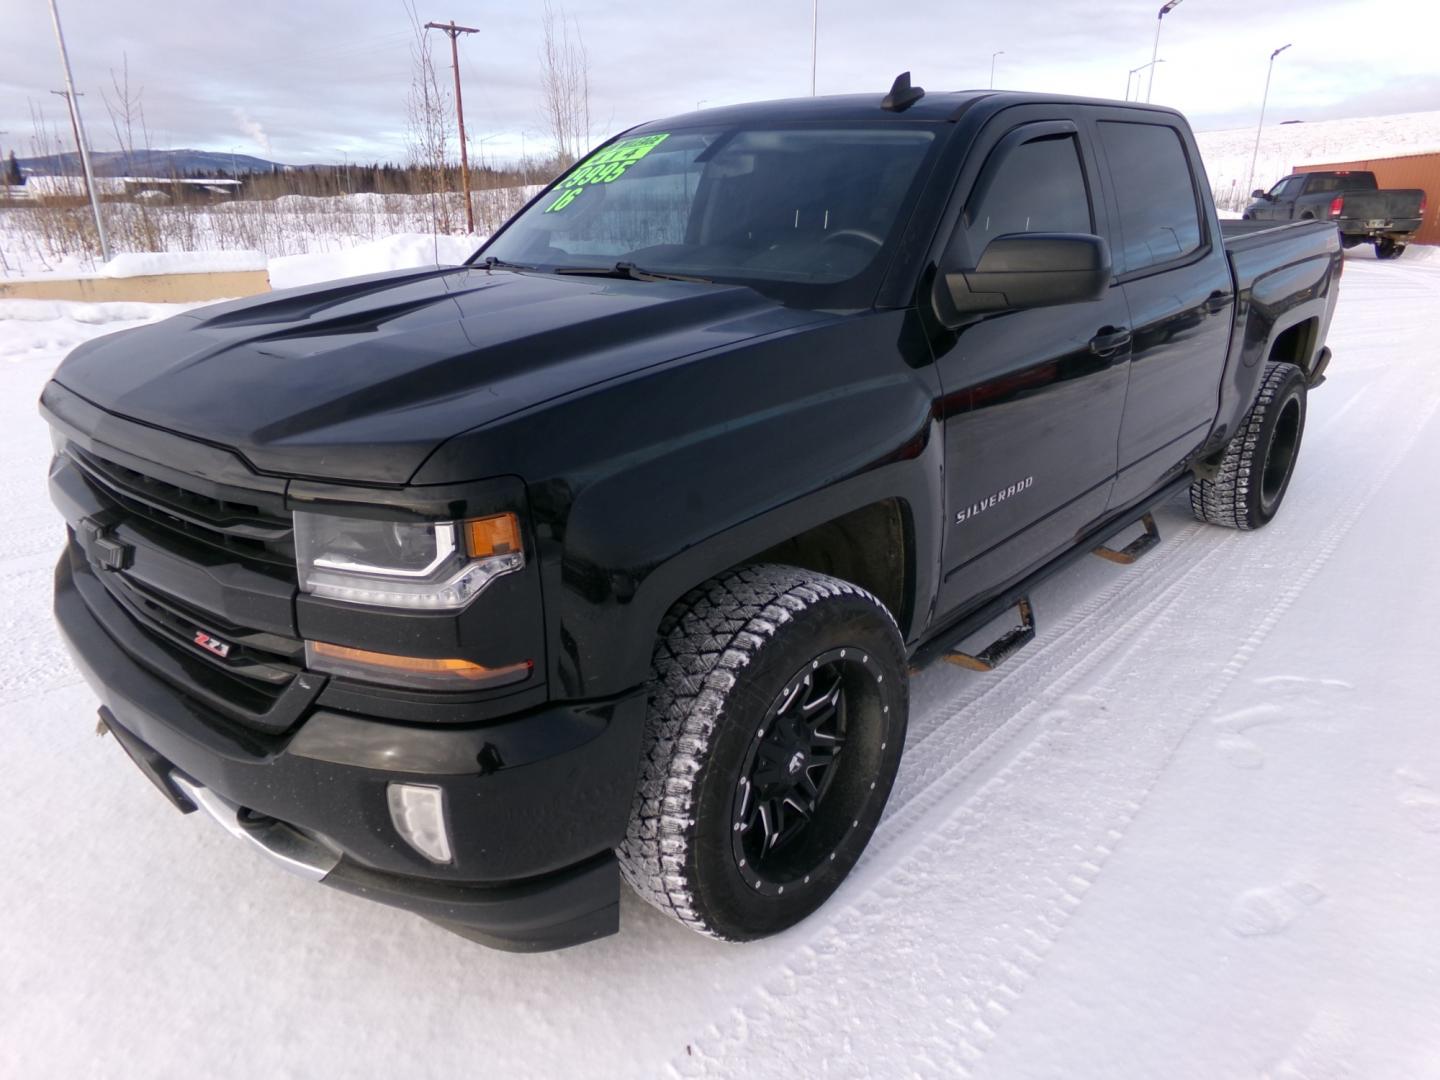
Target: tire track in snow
x=898 y=883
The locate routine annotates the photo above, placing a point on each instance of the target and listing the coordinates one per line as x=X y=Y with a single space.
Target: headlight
x=437 y=566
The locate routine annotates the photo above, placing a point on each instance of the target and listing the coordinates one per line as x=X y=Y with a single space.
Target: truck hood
x=360 y=380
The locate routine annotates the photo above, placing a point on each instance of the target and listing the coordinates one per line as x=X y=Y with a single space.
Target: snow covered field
x=1192 y=832
x=38 y=242
x=294 y=226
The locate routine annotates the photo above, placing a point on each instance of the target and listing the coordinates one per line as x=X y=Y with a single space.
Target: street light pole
x=993 y=55
x=80 y=136
x=1261 y=126
x=1132 y=74
x=1165 y=9
x=814 y=41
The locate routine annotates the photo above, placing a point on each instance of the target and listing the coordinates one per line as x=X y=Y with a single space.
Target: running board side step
x=1003 y=647
x=1132 y=551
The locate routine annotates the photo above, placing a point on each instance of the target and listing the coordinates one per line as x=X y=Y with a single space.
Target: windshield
x=802 y=213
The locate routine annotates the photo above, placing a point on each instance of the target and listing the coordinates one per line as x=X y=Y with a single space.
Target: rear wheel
x=1385 y=248
x=1256 y=468
x=778 y=703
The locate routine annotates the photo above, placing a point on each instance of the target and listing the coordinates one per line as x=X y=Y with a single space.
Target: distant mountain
x=150 y=163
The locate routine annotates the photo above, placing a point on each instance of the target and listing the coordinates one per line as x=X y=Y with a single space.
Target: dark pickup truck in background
x=469 y=589
x=1363 y=212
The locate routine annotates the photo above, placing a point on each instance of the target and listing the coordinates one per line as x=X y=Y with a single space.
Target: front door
x=1033 y=399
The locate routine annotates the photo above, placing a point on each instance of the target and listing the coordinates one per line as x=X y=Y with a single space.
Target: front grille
x=259 y=666
x=242 y=529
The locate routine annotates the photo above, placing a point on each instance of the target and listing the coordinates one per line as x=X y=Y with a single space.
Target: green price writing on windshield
x=607 y=165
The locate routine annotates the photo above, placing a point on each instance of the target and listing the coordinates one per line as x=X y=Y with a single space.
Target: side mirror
x=1026 y=270
x=1259 y=193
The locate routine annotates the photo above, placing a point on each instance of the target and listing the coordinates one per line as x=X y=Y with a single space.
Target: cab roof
x=934 y=107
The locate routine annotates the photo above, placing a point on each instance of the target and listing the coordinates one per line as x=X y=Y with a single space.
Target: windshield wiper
x=490 y=262
x=630 y=272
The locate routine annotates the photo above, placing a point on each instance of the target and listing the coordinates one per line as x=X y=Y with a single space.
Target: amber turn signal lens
x=423 y=671
x=495 y=535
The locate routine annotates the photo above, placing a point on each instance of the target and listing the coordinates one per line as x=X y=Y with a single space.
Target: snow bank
x=142 y=263
x=33 y=311
x=400 y=252
x=45 y=330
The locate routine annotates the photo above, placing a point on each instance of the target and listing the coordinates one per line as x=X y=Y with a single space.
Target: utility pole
x=1261 y=126
x=1165 y=9
x=74 y=129
x=80 y=136
x=814 y=41
x=993 y=55
x=455 y=32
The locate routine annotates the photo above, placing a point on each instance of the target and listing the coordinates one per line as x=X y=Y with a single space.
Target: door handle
x=1109 y=340
x=1218 y=301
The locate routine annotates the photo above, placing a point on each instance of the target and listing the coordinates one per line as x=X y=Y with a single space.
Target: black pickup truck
x=1353 y=201
x=471 y=589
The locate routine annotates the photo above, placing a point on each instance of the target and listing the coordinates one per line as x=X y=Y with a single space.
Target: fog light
x=418 y=811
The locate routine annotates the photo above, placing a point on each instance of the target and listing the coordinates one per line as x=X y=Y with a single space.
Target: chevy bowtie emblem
x=212 y=644
x=104 y=549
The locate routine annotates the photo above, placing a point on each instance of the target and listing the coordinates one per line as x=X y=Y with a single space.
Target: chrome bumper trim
x=283 y=845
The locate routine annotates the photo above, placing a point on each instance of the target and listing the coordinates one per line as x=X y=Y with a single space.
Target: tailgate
x=1386 y=206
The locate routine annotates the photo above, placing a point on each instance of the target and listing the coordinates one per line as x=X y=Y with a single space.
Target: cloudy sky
x=313 y=80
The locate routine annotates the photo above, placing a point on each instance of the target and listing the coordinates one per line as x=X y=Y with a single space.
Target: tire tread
x=1225 y=499
x=715 y=631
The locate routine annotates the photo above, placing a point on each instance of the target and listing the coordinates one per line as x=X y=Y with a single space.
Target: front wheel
x=1255 y=470
x=778 y=701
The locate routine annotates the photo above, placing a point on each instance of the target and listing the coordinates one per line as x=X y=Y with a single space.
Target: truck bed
x=1275 y=266
x=1234 y=231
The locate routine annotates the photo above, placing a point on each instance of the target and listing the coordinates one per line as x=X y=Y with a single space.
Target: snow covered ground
x=1192 y=832
x=35 y=242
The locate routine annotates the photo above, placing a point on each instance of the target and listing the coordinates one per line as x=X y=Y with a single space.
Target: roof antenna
x=902 y=95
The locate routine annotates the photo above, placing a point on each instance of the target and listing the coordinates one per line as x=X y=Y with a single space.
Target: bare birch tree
x=565 y=84
x=429 y=116
x=139 y=230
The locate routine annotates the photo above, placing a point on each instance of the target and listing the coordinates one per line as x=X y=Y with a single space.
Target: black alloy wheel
x=789 y=814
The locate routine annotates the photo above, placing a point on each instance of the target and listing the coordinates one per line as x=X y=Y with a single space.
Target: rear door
x=1176 y=280
x=1032 y=399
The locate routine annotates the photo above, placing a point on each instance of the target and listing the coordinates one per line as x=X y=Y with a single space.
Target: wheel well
x=1307 y=216
x=868 y=547
x=1296 y=345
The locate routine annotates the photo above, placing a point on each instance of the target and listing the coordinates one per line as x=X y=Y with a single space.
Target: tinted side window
x=1159 y=219
x=1036 y=187
x=1288 y=188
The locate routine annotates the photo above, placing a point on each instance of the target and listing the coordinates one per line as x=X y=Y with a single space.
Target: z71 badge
x=212 y=644
x=999 y=497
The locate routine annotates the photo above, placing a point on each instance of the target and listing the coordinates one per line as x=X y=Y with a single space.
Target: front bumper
x=535 y=802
